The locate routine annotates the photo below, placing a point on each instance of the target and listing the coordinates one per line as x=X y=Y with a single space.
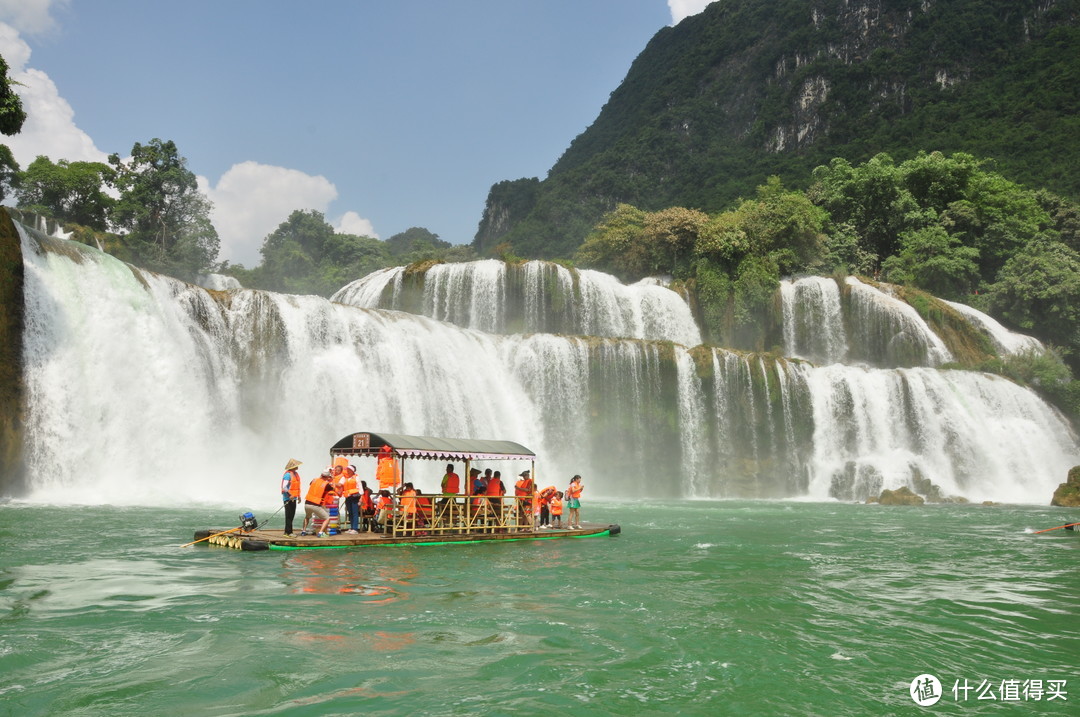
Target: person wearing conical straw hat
x=290 y=492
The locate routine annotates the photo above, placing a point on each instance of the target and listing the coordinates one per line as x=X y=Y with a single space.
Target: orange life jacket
x=318 y=488
x=574 y=491
x=294 y=484
x=387 y=471
x=556 y=506
x=547 y=494
x=366 y=503
x=451 y=483
x=385 y=502
x=495 y=488
x=408 y=502
x=523 y=486
x=351 y=486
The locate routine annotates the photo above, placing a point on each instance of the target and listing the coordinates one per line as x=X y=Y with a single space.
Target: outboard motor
x=248 y=522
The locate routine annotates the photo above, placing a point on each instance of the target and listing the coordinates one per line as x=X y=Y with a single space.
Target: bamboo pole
x=1067 y=525
x=232 y=530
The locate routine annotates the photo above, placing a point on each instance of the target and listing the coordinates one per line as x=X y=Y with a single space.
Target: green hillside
x=753 y=88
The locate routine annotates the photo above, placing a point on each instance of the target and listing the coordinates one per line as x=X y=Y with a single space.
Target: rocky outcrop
x=900 y=496
x=11 y=337
x=1067 y=494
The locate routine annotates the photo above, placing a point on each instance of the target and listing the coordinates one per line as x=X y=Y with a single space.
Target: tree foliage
x=304 y=255
x=166 y=219
x=12 y=114
x=68 y=191
x=9 y=172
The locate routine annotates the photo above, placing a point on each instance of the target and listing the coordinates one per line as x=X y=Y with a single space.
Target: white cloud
x=50 y=127
x=30 y=16
x=682 y=9
x=353 y=223
x=252 y=199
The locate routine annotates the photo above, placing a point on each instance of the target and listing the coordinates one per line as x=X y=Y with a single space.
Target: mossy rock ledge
x=900 y=496
x=1067 y=494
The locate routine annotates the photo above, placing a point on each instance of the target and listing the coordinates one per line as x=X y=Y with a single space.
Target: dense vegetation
x=946 y=225
x=146 y=210
x=753 y=88
x=305 y=255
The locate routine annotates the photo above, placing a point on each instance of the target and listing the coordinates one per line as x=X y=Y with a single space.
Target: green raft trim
x=436 y=542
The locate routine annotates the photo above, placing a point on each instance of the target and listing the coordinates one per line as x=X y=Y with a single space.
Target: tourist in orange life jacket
x=556 y=510
x=367 y=507
x=573 y=502
x=290 y=493
x=545 y=501
x=478 y=487
x=423 y=509
x=313 y=504
x=495 y=492
x=451 y=484
x=523 y=490
x=408 y=505
x=383 y=506
x=351 y=490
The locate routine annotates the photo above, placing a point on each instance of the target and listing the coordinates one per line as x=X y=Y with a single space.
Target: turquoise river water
x=698 y=608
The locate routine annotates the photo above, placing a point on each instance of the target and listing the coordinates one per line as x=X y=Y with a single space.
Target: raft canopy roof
x=427 y=447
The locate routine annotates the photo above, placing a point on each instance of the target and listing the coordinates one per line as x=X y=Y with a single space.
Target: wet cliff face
x=11 y=334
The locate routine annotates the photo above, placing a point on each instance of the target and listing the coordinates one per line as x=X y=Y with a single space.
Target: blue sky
x=383 y=114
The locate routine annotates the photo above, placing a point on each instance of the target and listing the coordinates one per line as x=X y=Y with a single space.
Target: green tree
x=292 y=252
x=12 y=114
x=70 y=191
x=9 y=172
x=617 y=245
x=305 y=255
x=785 y=225
x=931 y=259
x=415 y=239
x=12 y=117
x=723 y=241
x=1038 y=290
x=166 y=217
x=870 y=198
x=670 y=236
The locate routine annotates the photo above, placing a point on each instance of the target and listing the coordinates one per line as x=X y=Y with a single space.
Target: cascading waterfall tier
x=143 y=389
x=532 y=297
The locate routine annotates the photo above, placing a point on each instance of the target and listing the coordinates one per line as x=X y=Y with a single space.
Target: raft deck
x=259 y=539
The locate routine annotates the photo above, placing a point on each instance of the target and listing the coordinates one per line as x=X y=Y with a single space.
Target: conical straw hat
x=293 y=463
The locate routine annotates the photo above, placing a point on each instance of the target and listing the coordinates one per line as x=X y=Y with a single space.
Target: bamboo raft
x=259 y=539
x=447 y=519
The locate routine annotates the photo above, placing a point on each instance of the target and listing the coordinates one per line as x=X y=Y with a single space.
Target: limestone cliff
x=750 y=88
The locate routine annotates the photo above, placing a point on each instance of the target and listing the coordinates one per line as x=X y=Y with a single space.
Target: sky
x=382 y=114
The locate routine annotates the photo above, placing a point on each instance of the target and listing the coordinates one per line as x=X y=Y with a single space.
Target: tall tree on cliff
x=166 y=217
x=12 y=117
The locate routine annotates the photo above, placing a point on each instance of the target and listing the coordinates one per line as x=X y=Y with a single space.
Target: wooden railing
x=455 y=515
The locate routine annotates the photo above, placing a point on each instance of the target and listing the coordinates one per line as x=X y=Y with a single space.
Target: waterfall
x=813 y=319
x=967 y=432
x=1005 y=341
x=368 y=292
x=532 y=297
x=890 y=331
x=141 y=389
